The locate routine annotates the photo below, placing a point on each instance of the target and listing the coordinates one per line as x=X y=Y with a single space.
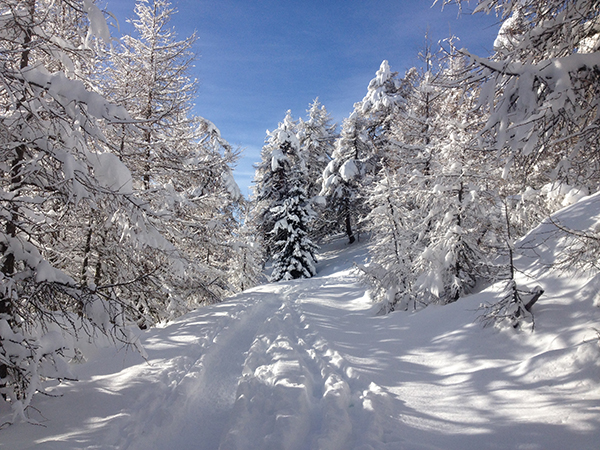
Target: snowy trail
x=262 y=378
x=297 y=392
x=199 y=404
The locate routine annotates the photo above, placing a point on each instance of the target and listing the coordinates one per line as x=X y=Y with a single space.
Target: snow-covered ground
x=307 y=364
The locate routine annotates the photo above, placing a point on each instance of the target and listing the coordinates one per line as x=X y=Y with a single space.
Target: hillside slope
x=307 y=364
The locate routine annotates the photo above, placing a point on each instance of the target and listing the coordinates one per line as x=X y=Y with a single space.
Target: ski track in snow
x=265 y=379
x=298 y=393
x=197 y=407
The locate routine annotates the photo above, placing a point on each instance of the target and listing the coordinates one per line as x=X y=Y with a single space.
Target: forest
x=119 y=208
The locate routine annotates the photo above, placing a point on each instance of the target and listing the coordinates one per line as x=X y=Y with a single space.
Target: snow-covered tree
x=317 y=136
x=541 y=90
x=514 y=307
x=294 y=255
x=272 y=183
x=364 y=140
x=342 y=175
x=213 y=222
x=180 y=164
x=54 y=166
x=150 y=78
x=281 y=209
x=246 y=265
x=380 y=108
x=431 y=209
x=398 y=217
x=391 y=270
x=459 y=196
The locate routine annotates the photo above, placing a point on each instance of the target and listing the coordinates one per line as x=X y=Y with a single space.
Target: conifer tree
x=56 y=166
x=540 y=87
x=429 y=213
x=397 y=217
x=180 y=165
x=391 y=270
x=272 y=184
x=282 y=212
x=247 y=253
x=294 y=255
x=356 y=159
x=459 y=196
x=342 y=175
x=317 y=137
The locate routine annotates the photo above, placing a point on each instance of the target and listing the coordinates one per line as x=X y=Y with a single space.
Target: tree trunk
x=457 y=265
x=536 y=294
x=86 y=252
x=349 y=232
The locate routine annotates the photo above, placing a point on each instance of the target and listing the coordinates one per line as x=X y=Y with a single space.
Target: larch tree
x=540 y=88
x=316 y=136
x=380 y=108
x=341 y=177
x=247 y=264
x=151 y=79
x=430 y=208
x=55 y=165
x=357 y=157
x=459 y=196
x=398 y=210
x=180 y=165
x=390 y=271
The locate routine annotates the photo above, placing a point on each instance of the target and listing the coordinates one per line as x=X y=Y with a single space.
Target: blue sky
x=257 y=59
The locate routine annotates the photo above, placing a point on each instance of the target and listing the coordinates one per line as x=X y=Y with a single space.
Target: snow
x=67 y=91
x=230 y=185
x=45 y=272
x=349 y=170
x=506 y=35
x=307 y=364
x=278 y=159
x=111 y=173
x=98 y=25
